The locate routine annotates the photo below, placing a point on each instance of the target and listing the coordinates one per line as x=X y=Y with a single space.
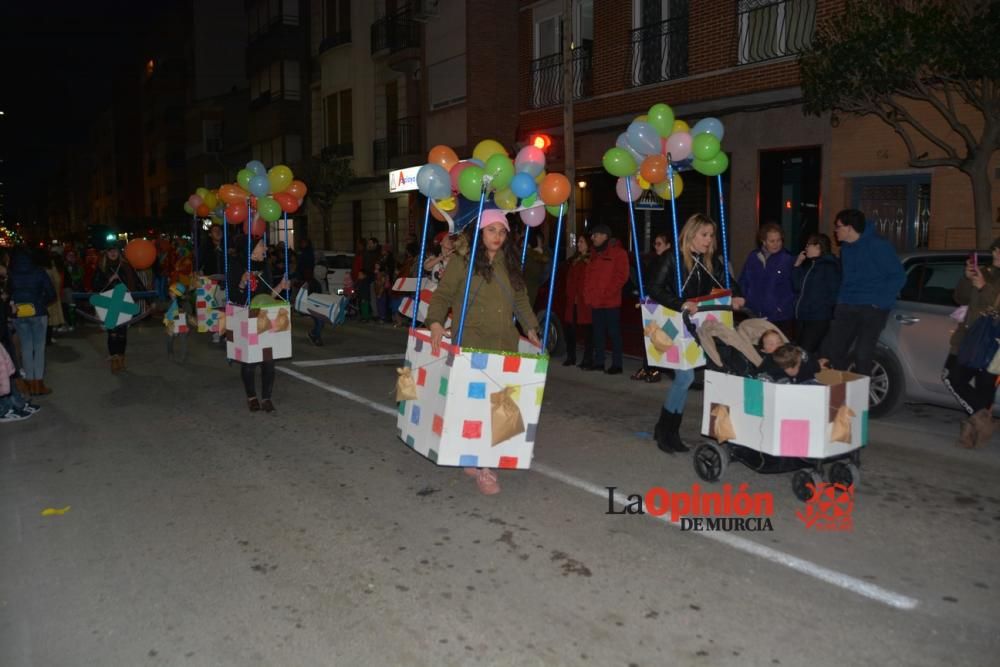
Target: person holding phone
x=974 y=389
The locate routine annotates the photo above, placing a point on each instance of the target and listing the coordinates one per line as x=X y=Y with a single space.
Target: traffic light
x=540 y=141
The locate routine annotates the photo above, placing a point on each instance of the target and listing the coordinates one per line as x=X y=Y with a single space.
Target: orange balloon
x=554 y=189
x=438 y=215
x=203 y=210
x=654 y=168
x=233 y=194
x=444 y=156
x=140 y=253
x=297 y=189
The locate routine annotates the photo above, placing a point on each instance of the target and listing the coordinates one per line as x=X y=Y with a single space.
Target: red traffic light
x=540 y=141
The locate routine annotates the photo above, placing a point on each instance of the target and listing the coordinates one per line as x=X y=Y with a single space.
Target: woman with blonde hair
x=702 y=271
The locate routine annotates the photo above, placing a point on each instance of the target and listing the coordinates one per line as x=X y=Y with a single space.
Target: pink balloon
x=530 y=159
x=679 y=146
x=533 y=216
x=195 y=201
x=623 y=192
x=456 y=171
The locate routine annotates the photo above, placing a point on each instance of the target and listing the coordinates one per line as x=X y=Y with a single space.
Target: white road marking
x=348 y=360
x=801 y=565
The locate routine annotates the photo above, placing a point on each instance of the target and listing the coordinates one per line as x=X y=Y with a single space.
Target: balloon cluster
x=654 y=141
x=519 y=185
x=268 y=192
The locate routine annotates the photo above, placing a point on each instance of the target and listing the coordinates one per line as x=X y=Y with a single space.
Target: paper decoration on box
x=405 y=285
x=426 y=292
x=679 y=349
x=208 y=304
x=460 y=391
x=177 y=324
x=798 y=420
x=115 y=307
x=258 y=333
x=324 y=306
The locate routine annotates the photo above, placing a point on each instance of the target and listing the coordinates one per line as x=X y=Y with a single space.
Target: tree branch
x=915 y=161
x=946 y=111
x=908 y=118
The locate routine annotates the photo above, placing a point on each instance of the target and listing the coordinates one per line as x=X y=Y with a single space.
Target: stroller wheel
x=710 y=461
x=801 y=482
x=844 y=473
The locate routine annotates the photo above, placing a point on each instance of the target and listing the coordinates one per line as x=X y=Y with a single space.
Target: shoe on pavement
x=30 y=407
x=487 y=482
x=12 y=415
x=267 y=405
x=253 y=404
x=614 y=370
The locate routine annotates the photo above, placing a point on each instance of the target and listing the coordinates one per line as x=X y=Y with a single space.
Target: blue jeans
x=317 y=329
x=607 y=322
x=31 y=331
x=678 y=392
x=12 y=400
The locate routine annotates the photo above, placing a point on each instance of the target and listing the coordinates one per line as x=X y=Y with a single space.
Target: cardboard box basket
x=247 y=342
x=450 y=421
x=208 y=304
x=789 y=419
x=685 y=353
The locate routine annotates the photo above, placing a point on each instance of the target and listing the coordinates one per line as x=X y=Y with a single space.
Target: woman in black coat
x=816 y=280
x=702 y=270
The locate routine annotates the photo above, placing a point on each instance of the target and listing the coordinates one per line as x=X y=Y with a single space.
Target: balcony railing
x=547 y=77
x=403 y=141
x=659 y=51
x=774 y=28
x=395 y=32
x=336 y=39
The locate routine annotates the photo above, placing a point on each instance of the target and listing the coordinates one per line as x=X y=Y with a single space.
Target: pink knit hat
x=492 y=215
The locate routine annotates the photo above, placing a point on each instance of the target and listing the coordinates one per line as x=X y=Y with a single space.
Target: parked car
x=337 y=265
x=914 y=344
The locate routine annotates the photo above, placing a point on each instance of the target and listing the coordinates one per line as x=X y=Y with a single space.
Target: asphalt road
x=201 y=534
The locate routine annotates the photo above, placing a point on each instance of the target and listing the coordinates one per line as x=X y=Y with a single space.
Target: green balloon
x=528 y=202
x=243 y=177
x=269 y=209
x=661 y=117
x=705 y=146
x=553 y=210
x=713 y=167
x=500 y=168
x=470 y=182
x=619 y=162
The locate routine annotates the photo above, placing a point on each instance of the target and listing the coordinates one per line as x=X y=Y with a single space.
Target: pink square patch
x=472 y=429
x=795 y=437
x=673 y=354
x=238 y=353
x=252 y=339
x=244 y=329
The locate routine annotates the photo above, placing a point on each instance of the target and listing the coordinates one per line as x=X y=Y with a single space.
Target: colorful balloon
x=500 y=170
x=444 y=156
x=529 y=201
x=643 y=138
x=233 y=194
x=618 y=162
x=188 y=209
x=257 y=229
x=433 y=181
x=531 y=160
x=713 y=167
x=622 y=142
x=236 y=212
x=505 y=199
x=679 y=146
x=663 y=189
x=243 y=177
x=654 y=168
x=712 y=126
x=554 y=210
x=554 y=190
x=257 y=167
x=470 y=183
x=680 y=126
x=486 y=149
x=140 y=253
x=279 y=177
x=456 y=172
x=195 y=201
x=203 y=210
x=523 y=185
x=287 y=202
x=298 y=190
x=661 y=117
x=623 y=190
x=211 y=200
x=533 y=216
x=269 y=209
x=705 y=146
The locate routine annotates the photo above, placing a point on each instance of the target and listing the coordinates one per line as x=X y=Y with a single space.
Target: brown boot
x=983 y=423
x=23 y=386
x=116 y=365
x=121 y=362
x=967 y=435
x=41 y=389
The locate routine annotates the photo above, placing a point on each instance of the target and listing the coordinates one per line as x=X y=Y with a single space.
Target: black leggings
x=811 y=333
x=248 y=372
x=974 y=390
x=117 y=340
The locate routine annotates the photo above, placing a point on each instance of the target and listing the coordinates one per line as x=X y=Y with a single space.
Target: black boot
x=673 y=434
x=661 y=432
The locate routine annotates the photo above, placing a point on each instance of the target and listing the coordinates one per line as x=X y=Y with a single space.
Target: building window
x=446 y=82
x=659 y=41
x=212 y=135
x=337 y=24
x=292 y=83
x=265 y=14
x=279 y=80
x=774 y=28
x=546 y=68
x=340 y=123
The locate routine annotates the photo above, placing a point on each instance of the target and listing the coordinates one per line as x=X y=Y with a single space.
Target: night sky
x=57 y=59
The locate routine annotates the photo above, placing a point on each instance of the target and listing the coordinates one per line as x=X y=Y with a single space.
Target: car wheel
x=886 y=387
x=557 y=341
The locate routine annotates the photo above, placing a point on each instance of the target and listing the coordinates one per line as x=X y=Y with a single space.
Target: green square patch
x=753 y=397
x=542 y=365
x=443 y=387
x=402 y=407
x=432 y=455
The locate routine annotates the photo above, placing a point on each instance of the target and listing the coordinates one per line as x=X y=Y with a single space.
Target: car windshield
x=933 y=280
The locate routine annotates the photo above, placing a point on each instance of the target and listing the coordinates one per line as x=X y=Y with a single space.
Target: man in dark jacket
x=872 y=277
x=606 y=274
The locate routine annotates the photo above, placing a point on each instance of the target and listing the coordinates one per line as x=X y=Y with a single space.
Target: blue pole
x=722 y=232
x=677 y=242
x=552 y=279
x=225 y=251
x=288 y=290
x=635 y=238
x=472 y=266
x=524 y=250
x=249 y=250
x=420 y=266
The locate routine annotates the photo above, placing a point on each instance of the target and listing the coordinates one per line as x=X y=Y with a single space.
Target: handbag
x=24 y=310
x=982 y=341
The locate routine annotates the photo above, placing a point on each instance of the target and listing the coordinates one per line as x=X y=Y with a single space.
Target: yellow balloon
x=642 y=119
x=446 y=204
x=663 y=189
x=486 y=149
x=540 y=177
x=211 y=199
x=643 y=183
x=681 y=126
x=505 y=199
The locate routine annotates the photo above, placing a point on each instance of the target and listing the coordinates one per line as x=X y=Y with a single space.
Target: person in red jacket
x=577 y=313
x=606 y=274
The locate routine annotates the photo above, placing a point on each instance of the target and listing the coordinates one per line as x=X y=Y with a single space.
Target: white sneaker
x=12 y=415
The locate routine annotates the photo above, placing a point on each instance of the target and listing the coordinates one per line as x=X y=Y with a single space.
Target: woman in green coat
x=497 y=294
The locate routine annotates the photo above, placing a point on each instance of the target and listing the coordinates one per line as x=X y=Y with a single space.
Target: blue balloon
x=622 y=142
x=643 y=138
x=259 y=185
x=712 y=126
x=478 y=163
x=433 y=181
x=258 y=168
x=523 y=185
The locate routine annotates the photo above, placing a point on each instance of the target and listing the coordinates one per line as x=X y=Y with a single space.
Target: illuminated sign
x=402 y=180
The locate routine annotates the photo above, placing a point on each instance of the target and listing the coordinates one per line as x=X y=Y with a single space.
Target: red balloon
x=456 y=171
x=258 y=228
x=236 y=212
x=297 y=189
x=140 y=253
x=288 y=203
x=203 y=210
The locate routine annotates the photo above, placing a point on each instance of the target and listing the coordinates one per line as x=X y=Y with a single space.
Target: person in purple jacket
x=766 y=279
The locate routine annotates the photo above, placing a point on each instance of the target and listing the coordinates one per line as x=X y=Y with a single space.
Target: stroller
x=814 y=431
